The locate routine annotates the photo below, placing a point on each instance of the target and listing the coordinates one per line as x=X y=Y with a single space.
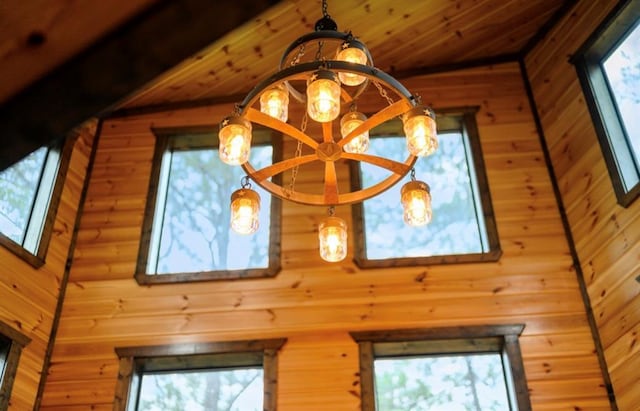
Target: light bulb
x=332 y=234
x=245 y=209
x=420 y=131
x=275 y=102
x=416 y=202
x=323 y=96
x=352 y=53
x=235 y=140
x=348 y=123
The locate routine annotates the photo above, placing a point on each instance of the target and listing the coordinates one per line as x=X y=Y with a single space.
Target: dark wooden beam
x=113 y=68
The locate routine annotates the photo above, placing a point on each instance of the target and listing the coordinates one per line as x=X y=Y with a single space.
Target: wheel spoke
x=266 y=120
x=395 y=109
x=391 y=165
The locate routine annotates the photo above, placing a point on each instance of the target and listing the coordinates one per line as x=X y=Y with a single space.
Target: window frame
x=195 y=137
x=459 y=119
x=13 y=342
x=59 y=168
x=501 y=339
x=134 y=361
x=623 y=169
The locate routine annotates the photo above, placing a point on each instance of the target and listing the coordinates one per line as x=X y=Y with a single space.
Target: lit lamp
x=420 y=130
x=245 y=209
x=332 y=233
x=275 y=102
x=348 y=123
x=352 y=51
x=416 y=202
x=323 y=96
x=235 y=140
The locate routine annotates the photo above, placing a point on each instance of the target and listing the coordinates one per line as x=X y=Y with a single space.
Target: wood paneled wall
x=315 y=304
x=29 y=296
x=606 y=235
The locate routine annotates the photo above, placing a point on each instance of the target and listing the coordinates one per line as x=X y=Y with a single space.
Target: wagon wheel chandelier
x=327 y=71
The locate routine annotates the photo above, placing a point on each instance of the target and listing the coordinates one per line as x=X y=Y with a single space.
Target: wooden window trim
x=448 y=119
x=37 y=259
x=623 y=169
x=463 y=339
x=135 y=360
x=198 y=136
x=17 y=342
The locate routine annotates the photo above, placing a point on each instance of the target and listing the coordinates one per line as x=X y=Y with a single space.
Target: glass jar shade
x=348 y=123
x=235 y=140
x=416 y=203
x=275 y=102
x=332 y=234
x=420 y=131
x=245 y=210
x=351 y=55
x=323 y=96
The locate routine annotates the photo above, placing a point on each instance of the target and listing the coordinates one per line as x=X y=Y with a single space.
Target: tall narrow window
x=187 y=232
x=231 y=376
x=468 y=368
x=462 y=227
x=11 y=344
x=608 y=66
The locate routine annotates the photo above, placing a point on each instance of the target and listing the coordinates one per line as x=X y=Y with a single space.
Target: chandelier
x=325 y=72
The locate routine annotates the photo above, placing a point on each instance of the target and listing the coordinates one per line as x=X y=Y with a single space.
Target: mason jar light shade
x=235 y=140
x=351 y=53
x=245 y=210
x=275 y=102
x=323 y=96
x=416 y=202
x=348 y=123
x=333 y=239
x=420 y=130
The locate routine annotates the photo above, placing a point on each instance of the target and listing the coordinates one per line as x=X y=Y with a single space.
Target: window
x=608 y=66
x=187 y=234
x=29 y=195
x=476 y=368
x=230 y=376
x=463 y=227
x=11 y=344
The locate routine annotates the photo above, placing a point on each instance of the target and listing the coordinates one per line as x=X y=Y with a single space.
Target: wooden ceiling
x=404 y=37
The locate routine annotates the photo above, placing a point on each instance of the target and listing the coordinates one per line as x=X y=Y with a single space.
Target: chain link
x=325 y=13
x=383 y=92
x=294 y=170
x=298 y=56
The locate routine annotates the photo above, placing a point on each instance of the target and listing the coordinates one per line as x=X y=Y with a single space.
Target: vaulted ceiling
x=245 y=44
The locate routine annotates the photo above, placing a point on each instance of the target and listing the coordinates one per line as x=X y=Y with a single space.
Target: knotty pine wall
x=28 y=296
x=315 y=304
x=606 y=235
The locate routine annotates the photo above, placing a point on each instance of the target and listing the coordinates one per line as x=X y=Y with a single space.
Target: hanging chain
x=319 y=52
x=298 y=56
x=332 y=211
x=245 y=182
x=294 y=170
x=383 y=92
x=413 y=174
x=325 y=13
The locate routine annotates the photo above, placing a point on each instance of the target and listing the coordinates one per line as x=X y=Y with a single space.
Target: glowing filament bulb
x=350 y=122
x=420 y=130
x=245 y=209
x=351 y=53
x=275 y=102
x=235 y=140
x=332 y=234
x=323 y=96
x=416 y=202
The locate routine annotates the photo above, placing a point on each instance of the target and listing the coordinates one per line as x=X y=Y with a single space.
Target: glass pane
x=18 y=188
x=454 y=228
x=443 y=383
x=220 y=390
x=196 y=235
x=622 y=69
x=5 y=344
